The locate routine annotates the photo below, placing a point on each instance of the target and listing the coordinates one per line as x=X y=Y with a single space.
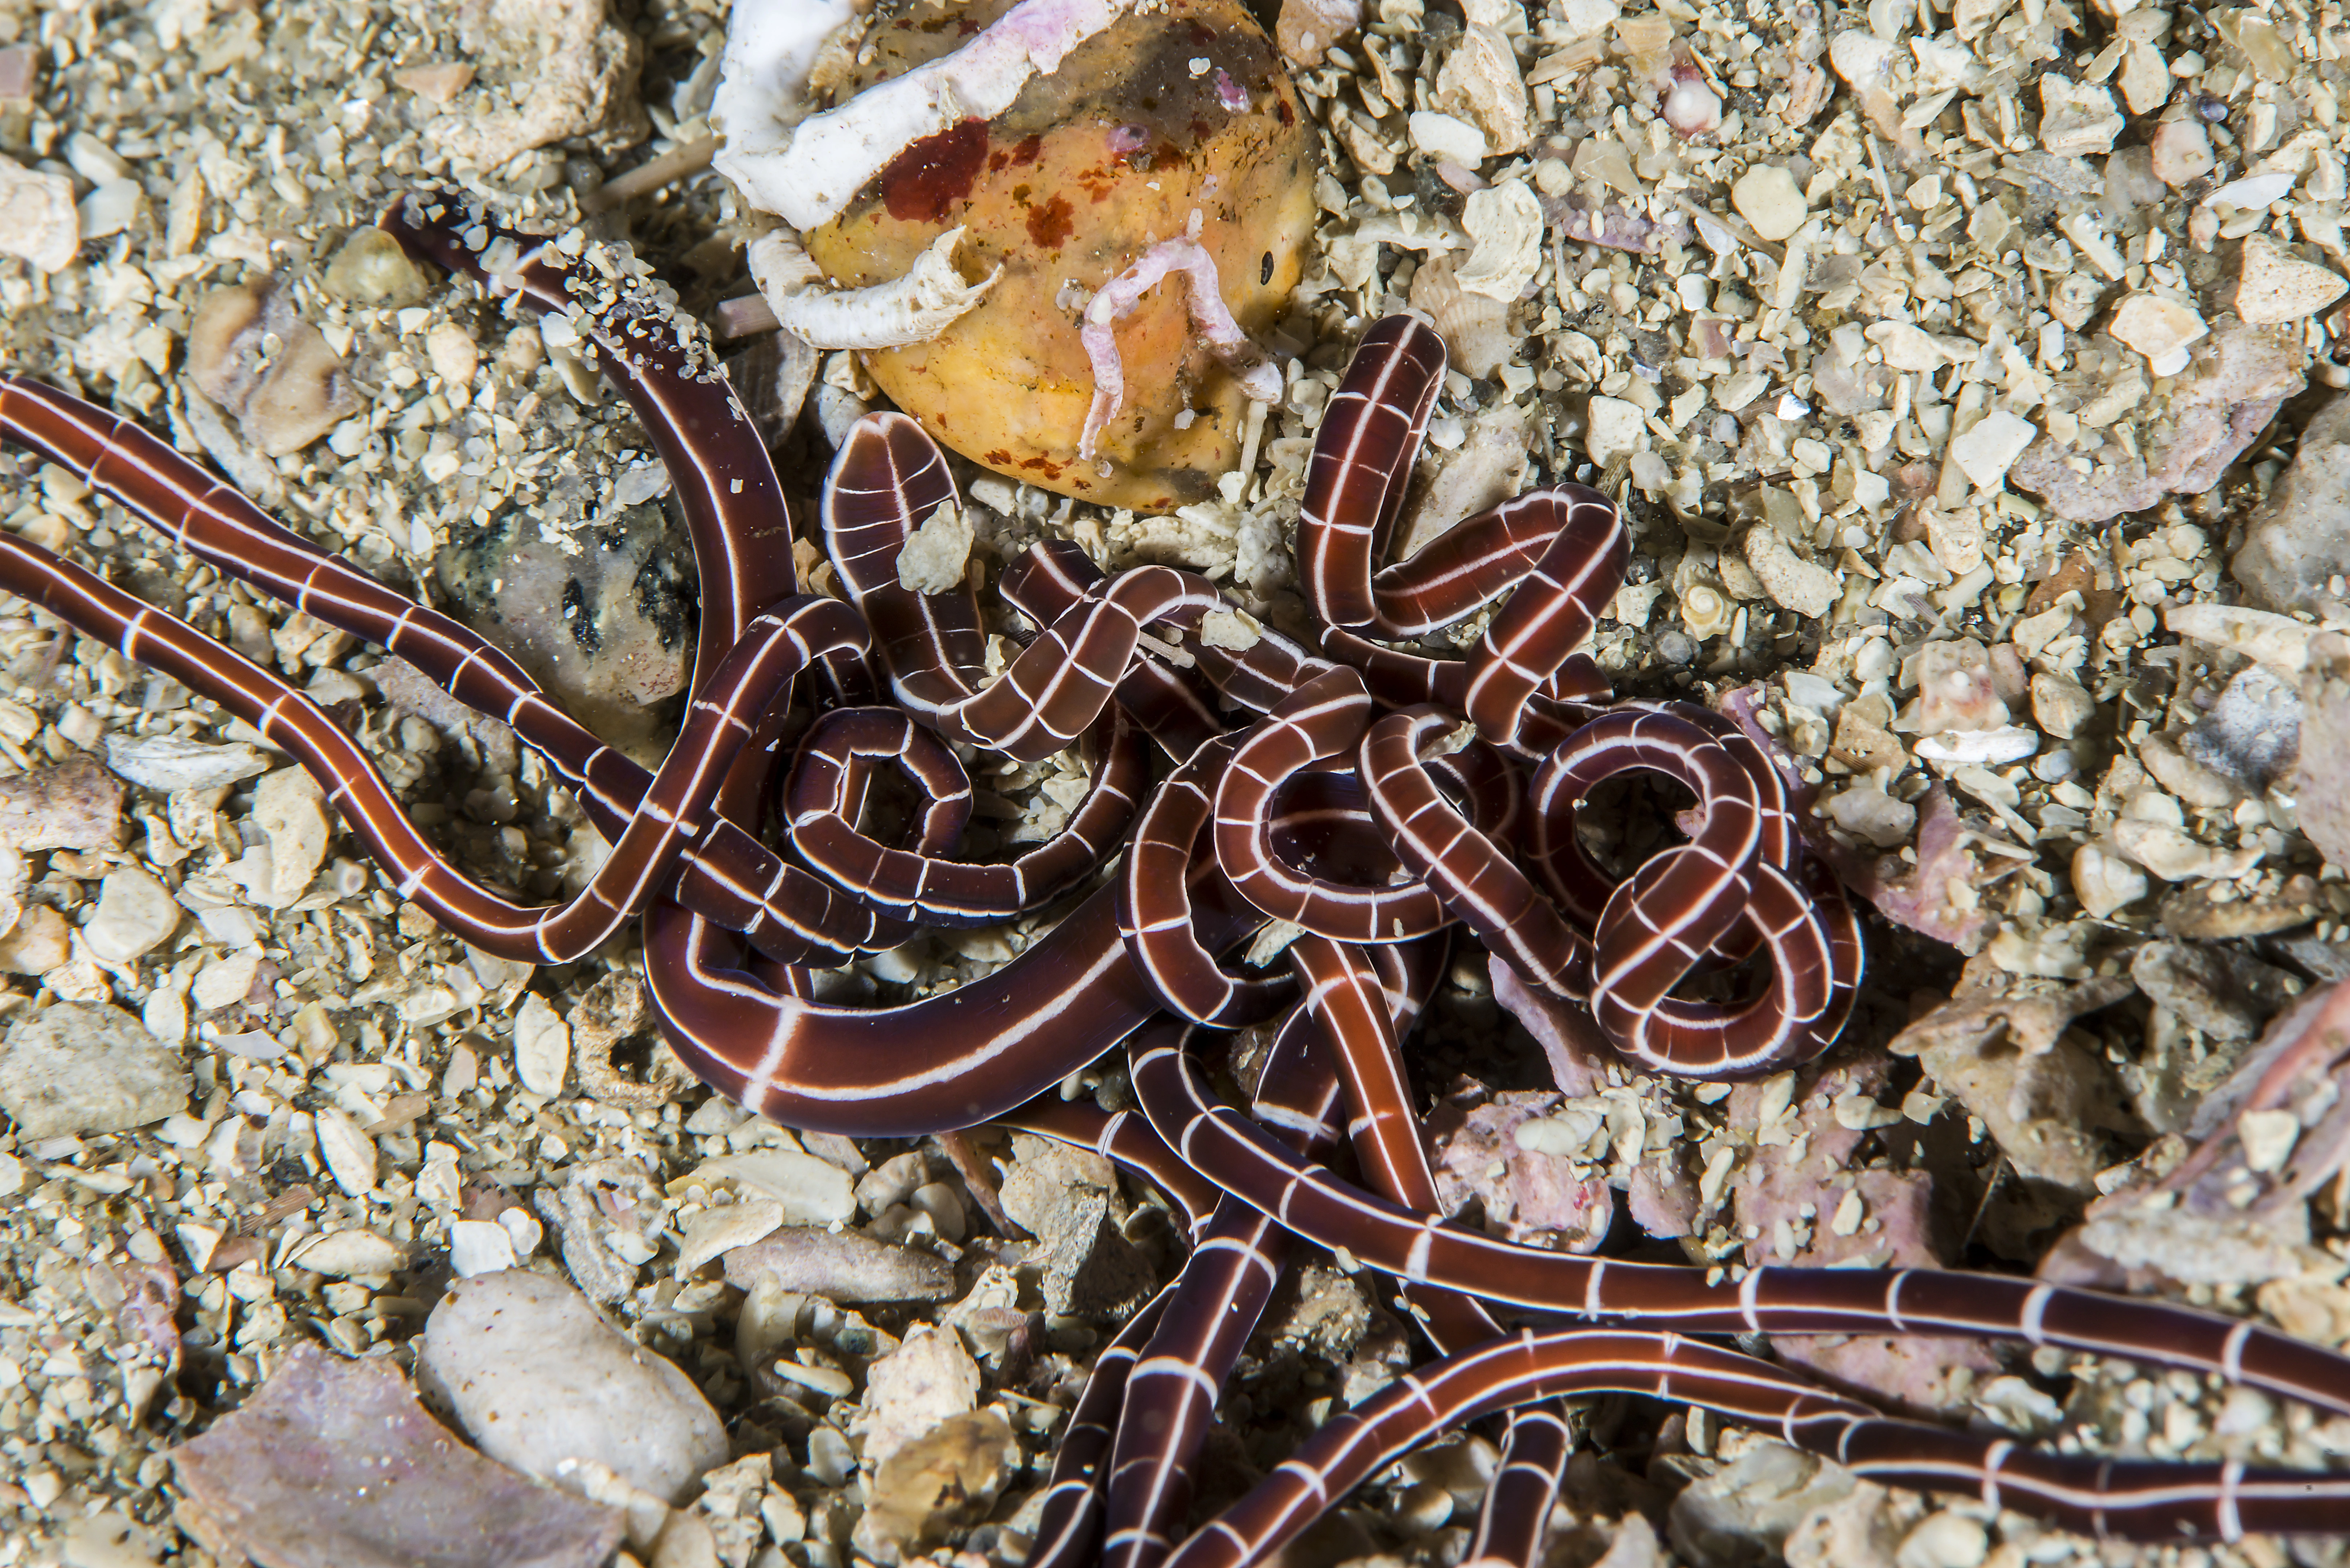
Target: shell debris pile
x=1968 y=375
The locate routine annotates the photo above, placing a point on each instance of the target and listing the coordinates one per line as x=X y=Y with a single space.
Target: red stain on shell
x=1024 y=152
x=926 y=182
x=1051 y=224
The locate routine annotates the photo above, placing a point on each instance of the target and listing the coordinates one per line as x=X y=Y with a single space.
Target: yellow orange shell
x=1086 y=171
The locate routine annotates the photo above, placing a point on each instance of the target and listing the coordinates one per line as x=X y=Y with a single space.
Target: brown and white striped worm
x=1368 y=799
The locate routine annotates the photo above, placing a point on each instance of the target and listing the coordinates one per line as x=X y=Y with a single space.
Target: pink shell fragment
x=1569 y=1036
x=1610 y=225
x=1535 y=1199
x=1774 y=1189
x=334 y=1462
x=1189 y=260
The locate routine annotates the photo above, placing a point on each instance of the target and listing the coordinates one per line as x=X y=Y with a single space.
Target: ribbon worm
x=1344 y=799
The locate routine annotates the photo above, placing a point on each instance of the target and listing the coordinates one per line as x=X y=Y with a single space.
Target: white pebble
x=349 y=1152
x=479 y=1247
x=38 y=220
x=2103 y=881
x=944 y=1207
x=526 y=1232
x=1793 y=583
x=290 y=809
x=2159 y=327
x=542 y=1047
x=535 y=1377
x=2258 y=635
x=1812 y=692
x=2171 y=853
x=135 y=916
x=110 y=208
x=1768 y=197
x=828 y=1381
x=453 y=354
x=2182 y=152
x=1424 y=1508
x=2060 y=706
x=1987 y=449
x=1613 y=429
x=933 y=560
x=346 y=1254
x=637 y=485
x=2268 y=1138
x=224 y=981
x=806 y=1189
x=908 y=1392
x=1848 y=1214
x=165 y=1014
x=831 y=1459
x=1944 y=1540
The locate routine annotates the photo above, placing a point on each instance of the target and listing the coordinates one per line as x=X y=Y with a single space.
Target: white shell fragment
x=1480 y=82
x=914 y=309
x=1505 y=221
x=2077 y=118
x=809 y=177
x=1230 y=629
x=1791 y=582
x=2008 y=744
x=1866 y=812
x=1447 y=138
x=715 y=1231
x=805 y=1190
x=771 y=46
x=2253 y=191
x=168 y=762
x=2261 y=636
x=2171 y=853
